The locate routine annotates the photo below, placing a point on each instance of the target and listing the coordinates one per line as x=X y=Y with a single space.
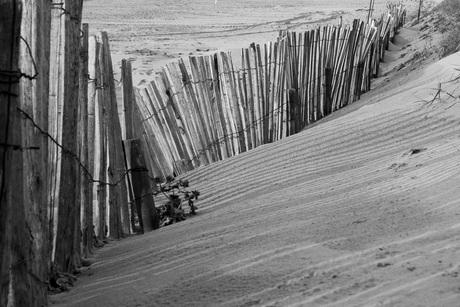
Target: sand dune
x=360 y=209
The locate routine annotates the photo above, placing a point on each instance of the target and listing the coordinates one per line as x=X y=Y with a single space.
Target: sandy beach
x=153 y=33
x=359 y=209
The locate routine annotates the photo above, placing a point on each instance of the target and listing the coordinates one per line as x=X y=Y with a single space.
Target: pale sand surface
x=154 y=32
x=345 y=213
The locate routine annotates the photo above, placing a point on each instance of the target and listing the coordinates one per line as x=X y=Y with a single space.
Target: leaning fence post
x=328 y=91
x=130 y=191
x=145 y=204
x=292 y=105
x=128 y=129
x=359 y=80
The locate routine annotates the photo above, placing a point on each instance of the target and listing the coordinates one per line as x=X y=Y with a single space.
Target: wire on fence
x=17 y=75
x=19 y=147
x=235 y=134
x=76 y=158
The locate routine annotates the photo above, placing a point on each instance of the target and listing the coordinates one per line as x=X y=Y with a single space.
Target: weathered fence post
x=88 y=230
x=359 y=81
x=100 y=143
x=132 y=204
x=293 y=106
x=117 y=190
x=145 y=204
x=86 y=183
x=328 y=71
x=65 y=255
x=128 y=106
x=36 y=27
x=11 y=182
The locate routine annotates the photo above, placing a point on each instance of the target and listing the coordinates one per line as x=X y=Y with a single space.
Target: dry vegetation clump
x=449 y=24
x=176 y=194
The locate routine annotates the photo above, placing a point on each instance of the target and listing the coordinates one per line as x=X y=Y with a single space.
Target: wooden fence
x=204 y=109
x=77 y=167
x=64 y=174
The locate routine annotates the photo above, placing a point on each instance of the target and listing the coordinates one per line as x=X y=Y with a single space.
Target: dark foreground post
x=145 y=204
x=328 y=91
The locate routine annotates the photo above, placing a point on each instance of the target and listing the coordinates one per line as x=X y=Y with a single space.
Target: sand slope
x=360 y=209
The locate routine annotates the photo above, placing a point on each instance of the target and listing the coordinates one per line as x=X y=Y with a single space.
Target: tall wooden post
x=328 y=71
x=118 y=199
x=145 y=204
x=36 y=27
x=359 y=81
x=56 y=80
x=68 y=193
x=92 y=94
x=85 y=223
x=101 y=144
x=132 y=205
x=11 y=183
x=128 y=98
x=128 y=106
x=293 y=112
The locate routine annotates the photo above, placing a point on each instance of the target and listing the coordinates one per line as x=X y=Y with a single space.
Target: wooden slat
x=247 y=68
x=274 y=71
x=216 y=74
x=210 y=104
x=179 y=99
x=162 y=104
x=156 y=121
x=234 y=100
x=199 y=86
x=65 y=255
x=211 y=86
x=252 y=67
x=196 y=113
x=153 y=126
x=148 y=217
x=227 y=104
x=176 y=112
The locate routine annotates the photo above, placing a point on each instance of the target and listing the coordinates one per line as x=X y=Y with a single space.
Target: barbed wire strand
x=75 y=156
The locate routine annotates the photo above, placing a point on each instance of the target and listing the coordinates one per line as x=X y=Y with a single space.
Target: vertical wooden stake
x=93 y=71
x=68 y=194
x=131 y=194
x=359 y=81
x=146 y=211
x=13 y=257
x=101 y=145
x=292 y=127
x=117 y=190
x=36 y=27
x=328 y=71
x=86 y=197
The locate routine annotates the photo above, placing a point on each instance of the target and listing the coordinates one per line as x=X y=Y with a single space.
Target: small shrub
x=177 y=194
